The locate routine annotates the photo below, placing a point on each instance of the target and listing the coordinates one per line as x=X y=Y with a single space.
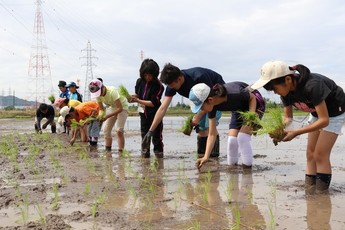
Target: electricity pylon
x=89 y=74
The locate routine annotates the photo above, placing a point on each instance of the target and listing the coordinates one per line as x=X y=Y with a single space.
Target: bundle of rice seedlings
x=51 y=98
x=101 y=115
x=251 y=119
x=124 y=92
x=187 y=126
x=81 y=123
x=273 y=125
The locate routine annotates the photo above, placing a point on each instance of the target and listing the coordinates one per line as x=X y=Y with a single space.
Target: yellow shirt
x=111 y=96
x=73 y=103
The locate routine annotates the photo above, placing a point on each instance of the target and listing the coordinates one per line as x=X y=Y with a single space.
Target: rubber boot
x=309 y=184
x=201 y=146
x=53 y=128
x=36 y=128
x=322 y=183
x=145 y=150
x=215 y=150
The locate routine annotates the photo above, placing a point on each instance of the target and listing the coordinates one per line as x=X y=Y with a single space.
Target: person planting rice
x=48 y=112
x=181 y=81
x=116 y=114
x=148 y=94
x=234 y=97
x=323 y=99
x=85 y=119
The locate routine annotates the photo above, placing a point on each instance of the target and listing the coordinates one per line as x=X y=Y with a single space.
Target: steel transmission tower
x=89 y=73
x=39 y=68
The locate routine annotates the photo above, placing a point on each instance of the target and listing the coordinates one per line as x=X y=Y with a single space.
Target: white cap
x=95 y=87
x=63 y=112
x=198 y=95
x=272 y=70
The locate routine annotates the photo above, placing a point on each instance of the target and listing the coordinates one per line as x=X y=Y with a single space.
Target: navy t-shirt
x=237 y=98
x=315 y=90
x=195 y=76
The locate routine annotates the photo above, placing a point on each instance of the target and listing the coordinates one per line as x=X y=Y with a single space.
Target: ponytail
x=303 y=76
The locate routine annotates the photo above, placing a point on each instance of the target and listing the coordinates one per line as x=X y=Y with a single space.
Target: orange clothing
x=86 y=109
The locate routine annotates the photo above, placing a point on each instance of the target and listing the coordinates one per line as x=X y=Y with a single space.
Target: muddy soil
x=47 y=184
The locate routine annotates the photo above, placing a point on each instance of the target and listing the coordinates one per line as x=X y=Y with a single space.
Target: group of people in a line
x=210 y=96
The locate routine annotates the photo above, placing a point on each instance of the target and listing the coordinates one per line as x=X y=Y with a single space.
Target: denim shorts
x=335 y=123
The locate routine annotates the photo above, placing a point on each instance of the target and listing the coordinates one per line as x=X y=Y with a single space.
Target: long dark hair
x=149 y=66
x=218 y=90
x=300 y=79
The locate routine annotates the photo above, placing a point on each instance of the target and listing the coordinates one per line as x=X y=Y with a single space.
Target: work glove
x=147 y=138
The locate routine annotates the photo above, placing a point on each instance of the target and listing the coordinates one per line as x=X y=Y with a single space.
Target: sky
x=232 y=37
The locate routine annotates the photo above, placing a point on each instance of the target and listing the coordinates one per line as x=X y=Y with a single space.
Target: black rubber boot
x=201 y=146
x=215 y=150
x=36 y=128
x=53 y=128
x=323 y=181
x=108 y=148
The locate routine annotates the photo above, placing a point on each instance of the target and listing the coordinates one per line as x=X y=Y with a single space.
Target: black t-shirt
x=315 y=90
x=195 y=76
x=50 y=113
x=238 y=98
x=151 y=91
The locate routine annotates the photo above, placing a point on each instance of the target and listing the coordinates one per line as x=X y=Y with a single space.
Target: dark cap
x=62 y=84
x=72 y=84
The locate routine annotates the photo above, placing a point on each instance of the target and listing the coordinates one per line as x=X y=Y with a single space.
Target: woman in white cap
x=323 y=99
x=108 y=98
x=234 y=97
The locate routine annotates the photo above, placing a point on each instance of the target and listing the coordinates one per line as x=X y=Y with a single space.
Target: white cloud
x=232 y=37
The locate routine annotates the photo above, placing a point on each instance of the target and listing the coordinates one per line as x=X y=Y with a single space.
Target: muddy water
x=170 y=193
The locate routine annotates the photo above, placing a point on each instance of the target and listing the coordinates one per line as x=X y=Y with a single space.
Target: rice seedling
x=87 y=189
x=124 y=92
x=51 y=98
x=41 y=214
x=196 y=225
x=81 y=123
x=272 y=224
x=273 y=125
x=56 y=202
x=273 y=185
x=24 y=209
x=187 y=126
x=230 y=189
x=251 y=119
x=236 y=215
x=93 y=209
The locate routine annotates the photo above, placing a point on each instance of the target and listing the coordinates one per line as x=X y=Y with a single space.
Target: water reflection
x=151 y=195
x=319 y=210
x=244 y=211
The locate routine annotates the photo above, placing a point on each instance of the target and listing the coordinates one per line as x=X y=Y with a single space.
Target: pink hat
x=95 y=87
x=59 y=101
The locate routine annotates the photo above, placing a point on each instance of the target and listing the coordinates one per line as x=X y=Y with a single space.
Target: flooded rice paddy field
x=47 y=184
